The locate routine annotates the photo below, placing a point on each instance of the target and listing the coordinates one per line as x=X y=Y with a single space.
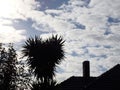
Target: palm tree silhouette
x=44 y=85
x=43 y=56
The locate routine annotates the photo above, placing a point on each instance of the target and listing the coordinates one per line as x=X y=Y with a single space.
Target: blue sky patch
x=113 y=20
x=51 y=4
x=27 y=25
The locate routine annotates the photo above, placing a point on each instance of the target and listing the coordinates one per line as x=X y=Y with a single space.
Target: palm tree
x=44 y=55
x=50 y=85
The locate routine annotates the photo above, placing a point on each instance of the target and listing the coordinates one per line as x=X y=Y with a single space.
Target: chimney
x=86 y=69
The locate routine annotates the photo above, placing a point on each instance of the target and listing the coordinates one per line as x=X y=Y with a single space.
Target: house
x=109 y=80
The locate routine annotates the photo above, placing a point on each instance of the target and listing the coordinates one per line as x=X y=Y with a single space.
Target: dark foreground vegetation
x=37 y=72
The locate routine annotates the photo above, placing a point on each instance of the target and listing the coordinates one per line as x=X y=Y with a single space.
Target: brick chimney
x=86 y=69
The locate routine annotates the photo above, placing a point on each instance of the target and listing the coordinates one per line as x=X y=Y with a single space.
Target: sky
x=91 y=29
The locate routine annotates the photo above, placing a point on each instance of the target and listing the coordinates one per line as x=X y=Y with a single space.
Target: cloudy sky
x=91 y=29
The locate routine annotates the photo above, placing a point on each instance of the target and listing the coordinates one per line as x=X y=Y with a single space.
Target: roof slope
x=110 y=80
x=75 y=83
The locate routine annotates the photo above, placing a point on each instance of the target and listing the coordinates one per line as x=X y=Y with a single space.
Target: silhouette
x=43 y=56
x=50 y=85
x=24 y=76
x=8 y=69
x=109 y=80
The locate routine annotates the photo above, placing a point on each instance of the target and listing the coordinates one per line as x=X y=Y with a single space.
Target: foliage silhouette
x=24 y=76
x=50 y=85
x=43 y=56
x=8 y=69
x=13 y=75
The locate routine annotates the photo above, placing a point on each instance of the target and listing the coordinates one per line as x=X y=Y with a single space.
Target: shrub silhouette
x=8 y=69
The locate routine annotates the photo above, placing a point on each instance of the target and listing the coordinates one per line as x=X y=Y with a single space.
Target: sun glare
x=8 y=11
x=7 y=7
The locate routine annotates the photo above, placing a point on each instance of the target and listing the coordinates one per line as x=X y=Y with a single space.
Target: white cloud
x=106 y=8
x=10 y=35
x=17 y=9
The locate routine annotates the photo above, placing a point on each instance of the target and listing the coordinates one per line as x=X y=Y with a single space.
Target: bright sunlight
x=6 y=8
x=9 y=10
